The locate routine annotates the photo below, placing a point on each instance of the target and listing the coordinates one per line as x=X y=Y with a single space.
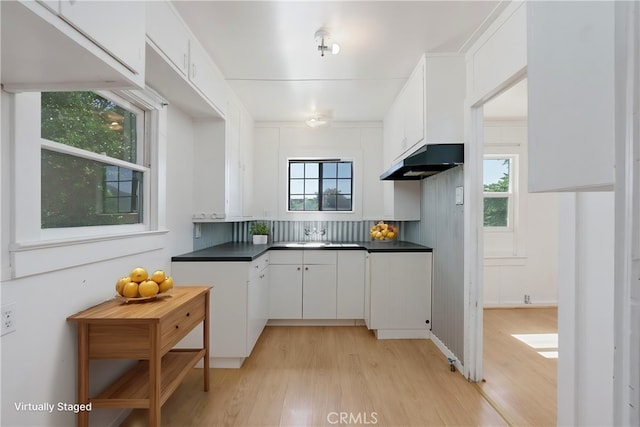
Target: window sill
x=31 y=258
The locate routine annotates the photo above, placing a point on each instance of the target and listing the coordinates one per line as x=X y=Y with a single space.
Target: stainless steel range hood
x=426 y=161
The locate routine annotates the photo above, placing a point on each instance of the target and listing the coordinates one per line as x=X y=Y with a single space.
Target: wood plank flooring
x=307 y=376
x=521 y=382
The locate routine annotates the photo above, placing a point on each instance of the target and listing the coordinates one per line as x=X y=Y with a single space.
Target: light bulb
x=335 y=48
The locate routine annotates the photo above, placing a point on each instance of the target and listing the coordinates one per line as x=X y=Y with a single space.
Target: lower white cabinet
x=399 y=294
x=303 y=284
x=239 y=304
x=350 y=286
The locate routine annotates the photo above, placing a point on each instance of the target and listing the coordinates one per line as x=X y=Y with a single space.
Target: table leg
x=205 y=341
x=83 y=372
x=154 y=376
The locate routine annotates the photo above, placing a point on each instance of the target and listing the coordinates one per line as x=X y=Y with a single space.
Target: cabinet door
x=319 y=292
x=233 y=162
x=571 y=111
x=265 y=172
x=413 y=109
x=400 y=290
x=167 y=31
x=116 y=26
x=285 y=291
x=258 y=307
x=206 y=76
x=350 y=286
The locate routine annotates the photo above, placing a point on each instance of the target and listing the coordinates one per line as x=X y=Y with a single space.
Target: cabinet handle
x=184 y=61
x=255 y=266
x=188 y=314
x=306 y=268
x=298 y=268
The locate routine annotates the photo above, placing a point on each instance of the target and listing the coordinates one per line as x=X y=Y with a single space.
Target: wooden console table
x=146 y=332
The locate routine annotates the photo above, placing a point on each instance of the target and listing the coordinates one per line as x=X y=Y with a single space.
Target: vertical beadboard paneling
x=441 y=227
x=213 y=233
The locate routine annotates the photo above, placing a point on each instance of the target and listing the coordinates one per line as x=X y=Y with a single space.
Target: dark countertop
x=249 y=251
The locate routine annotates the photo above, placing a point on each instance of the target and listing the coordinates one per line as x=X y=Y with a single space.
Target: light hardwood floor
x=301 y=376
x=521 y=382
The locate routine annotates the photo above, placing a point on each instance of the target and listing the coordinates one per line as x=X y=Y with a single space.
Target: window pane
x=88 y=121
x=496 y=211
x=296 y=186
x=296 y=170
x=329 y=184
x=344 y=202
x=310 y=186
x=496 y=175
x=311 y=170
x=329 y=201
x=344 y=186
x=296 y=203
x=75 y=193
x=311 y=203
x=344 y=170
x=329 y=170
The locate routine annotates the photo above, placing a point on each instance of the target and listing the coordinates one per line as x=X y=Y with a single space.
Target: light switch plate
x=459 y=195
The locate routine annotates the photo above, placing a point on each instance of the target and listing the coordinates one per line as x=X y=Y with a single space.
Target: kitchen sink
x=308 y=244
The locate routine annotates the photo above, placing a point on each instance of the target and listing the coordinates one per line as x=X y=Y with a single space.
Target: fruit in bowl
x=139 y=284
x=382 y=231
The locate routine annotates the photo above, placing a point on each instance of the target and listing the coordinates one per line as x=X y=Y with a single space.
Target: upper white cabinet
x=429 y=108
x=265 y=172
x=166 y=30
x=223 y=160
x=571 y=83
x=116 y=26
x=72 y=45
x=178 y=66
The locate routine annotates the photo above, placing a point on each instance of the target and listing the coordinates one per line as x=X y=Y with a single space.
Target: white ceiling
x=267 y=51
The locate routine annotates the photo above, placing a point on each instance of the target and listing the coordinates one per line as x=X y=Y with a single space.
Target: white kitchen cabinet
x=116 y=26
x=399 y=294
x=429 y=109
x=205 y=75
x=223 y=150
x=238 y=304
x=303 y=284
x=265 y=172
x=179 y=68
x=350 y=284
x=571 y=100
x=167 y=31
x=103 y=41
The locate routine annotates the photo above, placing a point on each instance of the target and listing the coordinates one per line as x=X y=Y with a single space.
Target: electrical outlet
x=8 y=318
x=527 y=299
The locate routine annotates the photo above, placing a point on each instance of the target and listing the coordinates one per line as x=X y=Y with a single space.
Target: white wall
x=348 y=141
x=38 y=360
x=586 y=309
x=525 y=259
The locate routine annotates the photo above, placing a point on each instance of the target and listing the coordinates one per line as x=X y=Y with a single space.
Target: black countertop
x=249 y=251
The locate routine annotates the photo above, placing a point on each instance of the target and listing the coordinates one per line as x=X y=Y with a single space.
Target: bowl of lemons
x=382 y=232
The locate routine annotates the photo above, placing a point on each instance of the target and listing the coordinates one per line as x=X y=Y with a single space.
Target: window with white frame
x=498 y=187
x=84 y=163
x=320 y=185
x=92 y=154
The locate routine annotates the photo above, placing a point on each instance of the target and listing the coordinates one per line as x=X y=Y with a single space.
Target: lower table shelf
x=131 y=390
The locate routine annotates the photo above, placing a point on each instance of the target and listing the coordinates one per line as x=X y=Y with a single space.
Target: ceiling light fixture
x=323 y=37
x=317 y=122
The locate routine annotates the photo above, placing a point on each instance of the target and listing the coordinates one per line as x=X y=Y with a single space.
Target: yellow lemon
x=138 y=274
x=130 y=290
x=391 y=235
x=158 y=276
x=167 y=284
x=120 y=284
x=148 y=288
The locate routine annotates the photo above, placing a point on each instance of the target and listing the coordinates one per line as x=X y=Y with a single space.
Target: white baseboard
x=402 y=334
x=315 y=322
x=224 y=362
x=542 y=304
x=448 y=353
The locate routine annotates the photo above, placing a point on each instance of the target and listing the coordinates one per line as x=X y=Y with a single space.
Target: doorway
x=520 y=270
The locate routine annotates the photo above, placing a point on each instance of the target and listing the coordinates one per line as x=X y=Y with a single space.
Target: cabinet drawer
x=180 y=322
x=260 y=263
x=285 y=257
x=320 y=256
